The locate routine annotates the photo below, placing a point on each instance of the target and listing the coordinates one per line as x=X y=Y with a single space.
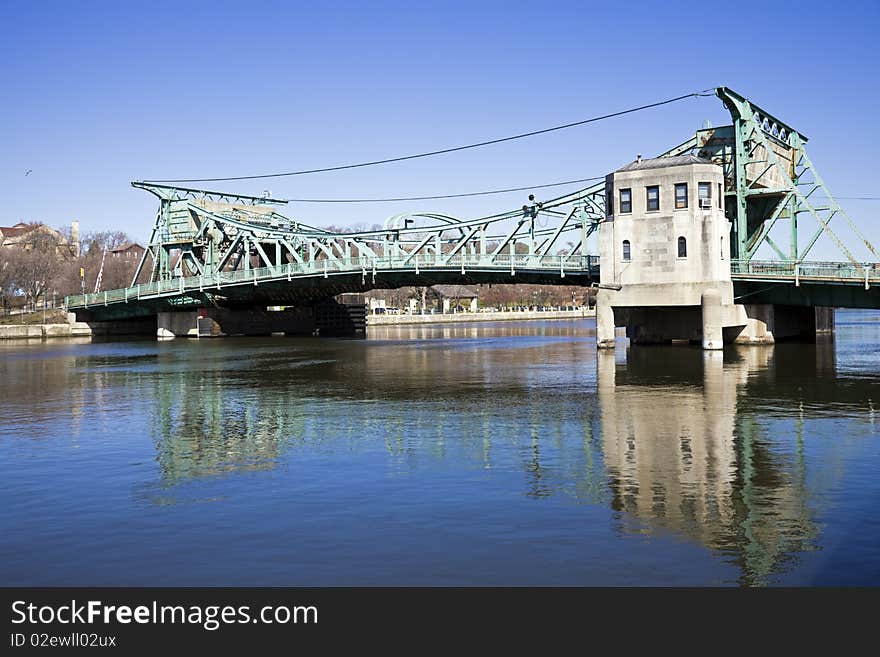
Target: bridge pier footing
x=712 y=324
x=767 y=323
x=177 y=323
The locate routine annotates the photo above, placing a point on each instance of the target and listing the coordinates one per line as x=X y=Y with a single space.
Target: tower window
x=720 y=198
x=626 y=201
x=681 y=196
x=682 y=247
x=704 y=190
x=653 y=193
x=626 y=250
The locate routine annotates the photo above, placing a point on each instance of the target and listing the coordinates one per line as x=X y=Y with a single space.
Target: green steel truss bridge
x=218 y=249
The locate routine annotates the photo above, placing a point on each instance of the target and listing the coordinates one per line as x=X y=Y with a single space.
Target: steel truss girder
x=217 y=232
x=758 y=172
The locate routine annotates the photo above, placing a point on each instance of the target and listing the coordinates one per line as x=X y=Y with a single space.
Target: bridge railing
x=869 y=271
x=327 y=266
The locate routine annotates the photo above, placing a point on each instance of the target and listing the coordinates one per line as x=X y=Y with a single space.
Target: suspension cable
x=696 y=94
x=440 y=196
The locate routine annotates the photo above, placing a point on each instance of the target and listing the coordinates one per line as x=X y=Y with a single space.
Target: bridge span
x=724 y=209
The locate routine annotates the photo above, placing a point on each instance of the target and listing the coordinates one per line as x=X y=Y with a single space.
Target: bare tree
x=96 y=242
x=7 y=279
x=116 y=273
x=34 y=264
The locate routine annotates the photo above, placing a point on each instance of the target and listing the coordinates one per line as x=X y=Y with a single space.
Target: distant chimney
x=74 y=237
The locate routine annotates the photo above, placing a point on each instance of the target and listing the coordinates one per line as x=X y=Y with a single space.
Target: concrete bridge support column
x=604 y=322
x=712 y=321
x=178 y=323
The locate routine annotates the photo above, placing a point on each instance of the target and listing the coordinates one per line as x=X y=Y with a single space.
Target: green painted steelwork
x=217 y=247
x=205 y=234
x=794 y=283
x=207 y=246
x=334 y=275
x=769 y=177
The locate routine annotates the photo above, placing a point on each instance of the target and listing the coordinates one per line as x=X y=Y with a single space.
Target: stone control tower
x=665 y=254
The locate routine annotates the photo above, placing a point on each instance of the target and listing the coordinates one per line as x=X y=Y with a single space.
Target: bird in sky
x=28 y=172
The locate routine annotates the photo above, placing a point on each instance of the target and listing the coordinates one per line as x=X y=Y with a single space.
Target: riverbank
x=28 y=326
x=82 y=330
x=390 y=320
x=44 y=331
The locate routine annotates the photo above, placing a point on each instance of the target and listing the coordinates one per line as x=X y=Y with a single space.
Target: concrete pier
x=711 y=305
x=604 y=322
x=178 y=323
x=766 y=323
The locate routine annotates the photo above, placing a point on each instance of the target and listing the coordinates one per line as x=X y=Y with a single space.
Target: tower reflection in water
x=684 y=453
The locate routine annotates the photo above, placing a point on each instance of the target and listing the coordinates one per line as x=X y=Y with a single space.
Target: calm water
x=501 y=453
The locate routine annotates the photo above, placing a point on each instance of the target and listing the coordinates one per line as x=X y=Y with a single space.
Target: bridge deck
x=832 y=273
x=818 y=283
x=243 y=284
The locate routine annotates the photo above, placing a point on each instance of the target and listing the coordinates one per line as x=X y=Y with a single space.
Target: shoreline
x=451 y=318
x=44 y=331
x=82 y=330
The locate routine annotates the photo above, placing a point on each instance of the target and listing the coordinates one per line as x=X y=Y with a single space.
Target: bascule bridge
x=709 y=241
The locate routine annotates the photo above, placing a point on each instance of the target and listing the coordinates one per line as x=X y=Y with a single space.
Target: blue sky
x=98 y=94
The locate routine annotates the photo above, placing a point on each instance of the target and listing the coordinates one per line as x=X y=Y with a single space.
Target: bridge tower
x=666 y=267
x=664 y=249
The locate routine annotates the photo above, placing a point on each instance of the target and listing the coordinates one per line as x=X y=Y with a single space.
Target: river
x=504 y=453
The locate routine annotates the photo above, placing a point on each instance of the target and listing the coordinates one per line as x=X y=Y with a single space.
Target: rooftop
x=18 y=229
x=125 y=247
x=659 y=162
x=457 y=291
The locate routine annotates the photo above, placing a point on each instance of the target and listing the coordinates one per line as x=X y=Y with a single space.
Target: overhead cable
x=705 y=92
x=440 y=196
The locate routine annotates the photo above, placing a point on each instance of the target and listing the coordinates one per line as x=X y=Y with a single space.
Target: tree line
x=497 y=295
x=42 y=266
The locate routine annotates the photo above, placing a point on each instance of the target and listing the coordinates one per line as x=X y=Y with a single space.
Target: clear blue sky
x=98 y=94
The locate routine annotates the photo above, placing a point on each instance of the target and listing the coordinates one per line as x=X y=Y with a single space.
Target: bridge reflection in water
x=705 y=446
x=698 y=464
